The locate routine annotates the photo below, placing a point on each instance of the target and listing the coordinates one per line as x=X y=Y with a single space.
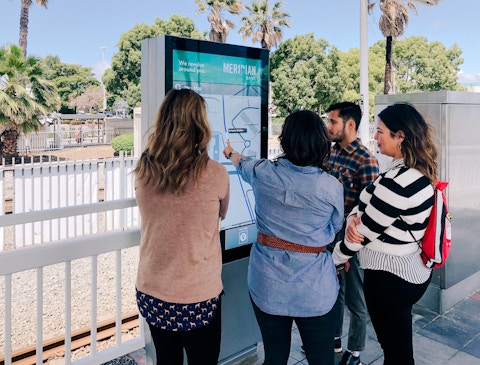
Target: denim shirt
x=302 y=205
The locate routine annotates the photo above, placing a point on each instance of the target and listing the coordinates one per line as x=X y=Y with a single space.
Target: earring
x=399 y=145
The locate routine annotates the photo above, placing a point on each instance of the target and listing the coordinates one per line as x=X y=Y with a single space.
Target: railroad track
x=81 y=338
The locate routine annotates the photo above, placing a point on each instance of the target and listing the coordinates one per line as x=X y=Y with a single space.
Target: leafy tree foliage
x=305 y=74
x=24 y=96
x=420 y=65
x=122 y=80
x=71 y=80
x=309 y=74
x=424 y=66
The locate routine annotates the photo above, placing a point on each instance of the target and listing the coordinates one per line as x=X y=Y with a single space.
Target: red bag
x=437 y=239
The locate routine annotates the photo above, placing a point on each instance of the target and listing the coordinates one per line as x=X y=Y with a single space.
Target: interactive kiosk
x=234 y=82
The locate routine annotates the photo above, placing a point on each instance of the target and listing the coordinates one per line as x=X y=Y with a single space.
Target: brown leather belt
x=275 y=242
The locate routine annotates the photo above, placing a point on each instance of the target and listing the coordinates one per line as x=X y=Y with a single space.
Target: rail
x=80 y=338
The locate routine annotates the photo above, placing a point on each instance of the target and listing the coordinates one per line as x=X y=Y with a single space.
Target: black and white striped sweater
x=399 y=200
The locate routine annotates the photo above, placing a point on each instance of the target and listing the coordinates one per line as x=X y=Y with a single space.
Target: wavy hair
x=305 y=140
x=419 y=148
x=177 y=147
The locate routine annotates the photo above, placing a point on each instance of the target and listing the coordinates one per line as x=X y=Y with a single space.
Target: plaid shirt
x=355 y=167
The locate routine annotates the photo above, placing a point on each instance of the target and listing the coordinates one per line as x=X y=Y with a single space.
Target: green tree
x=24 y=12
x=24 y=96
x=349 y=72
x=219 y=26
x=264 y=25
x=424 y=66
x=304 y=74
x=122 y=80
x=71 y=80
x=420 y=66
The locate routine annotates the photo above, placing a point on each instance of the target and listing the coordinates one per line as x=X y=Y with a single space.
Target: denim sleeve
x=246 y=168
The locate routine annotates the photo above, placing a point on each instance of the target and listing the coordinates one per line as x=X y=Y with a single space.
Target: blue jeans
x=317 y=334
x=202 y=345
x=351 y=295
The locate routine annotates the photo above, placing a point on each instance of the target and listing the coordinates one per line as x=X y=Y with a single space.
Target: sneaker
x=349 y=359
x=338 y=345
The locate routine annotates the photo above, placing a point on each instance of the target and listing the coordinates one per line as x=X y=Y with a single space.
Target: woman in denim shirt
x=299 y=208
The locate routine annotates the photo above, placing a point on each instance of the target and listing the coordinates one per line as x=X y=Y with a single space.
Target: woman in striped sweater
x=398 y=201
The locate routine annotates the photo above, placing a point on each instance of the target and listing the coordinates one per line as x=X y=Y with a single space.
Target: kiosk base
x=240 y=332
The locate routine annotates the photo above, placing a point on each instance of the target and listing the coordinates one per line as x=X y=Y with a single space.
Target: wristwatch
x=230 y=154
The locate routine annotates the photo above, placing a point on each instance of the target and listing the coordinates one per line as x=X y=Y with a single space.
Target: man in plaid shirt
x=355 y=167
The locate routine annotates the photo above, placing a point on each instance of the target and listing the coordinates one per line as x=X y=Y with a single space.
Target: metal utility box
x=455 y=117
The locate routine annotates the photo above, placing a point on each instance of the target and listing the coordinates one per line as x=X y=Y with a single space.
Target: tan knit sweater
x=180 y=252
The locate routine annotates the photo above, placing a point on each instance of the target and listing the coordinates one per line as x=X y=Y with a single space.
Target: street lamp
x=103 y=85
x=104 y=98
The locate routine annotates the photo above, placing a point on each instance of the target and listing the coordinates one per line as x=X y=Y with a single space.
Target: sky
x=87 y=32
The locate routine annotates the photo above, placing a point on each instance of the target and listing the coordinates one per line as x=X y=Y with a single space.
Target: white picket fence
x=56 y=184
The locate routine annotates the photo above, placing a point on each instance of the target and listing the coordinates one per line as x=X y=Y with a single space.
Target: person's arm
x=225 y=201
x=231 y=155
x=351 y=243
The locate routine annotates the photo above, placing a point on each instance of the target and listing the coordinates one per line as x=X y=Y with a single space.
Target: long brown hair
x=178 y=144
x=418 y=148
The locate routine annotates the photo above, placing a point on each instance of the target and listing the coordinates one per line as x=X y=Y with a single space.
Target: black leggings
x=389 y=301
x=202 y=345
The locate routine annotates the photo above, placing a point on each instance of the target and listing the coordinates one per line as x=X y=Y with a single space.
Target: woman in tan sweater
x=182 y=195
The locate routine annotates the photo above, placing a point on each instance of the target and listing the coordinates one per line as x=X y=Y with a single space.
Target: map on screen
x=231 y=87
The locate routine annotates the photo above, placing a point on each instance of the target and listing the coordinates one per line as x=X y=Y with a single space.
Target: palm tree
x=24 y=96
x=24 y=10
x=219 y=26
x=264 y=25
x=392 y=24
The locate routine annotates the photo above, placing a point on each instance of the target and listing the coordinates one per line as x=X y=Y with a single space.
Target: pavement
x=452 y=338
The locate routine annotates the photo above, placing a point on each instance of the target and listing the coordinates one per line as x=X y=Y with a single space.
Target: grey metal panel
x=239 y=326
x=152 y=82
x=463 y=174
